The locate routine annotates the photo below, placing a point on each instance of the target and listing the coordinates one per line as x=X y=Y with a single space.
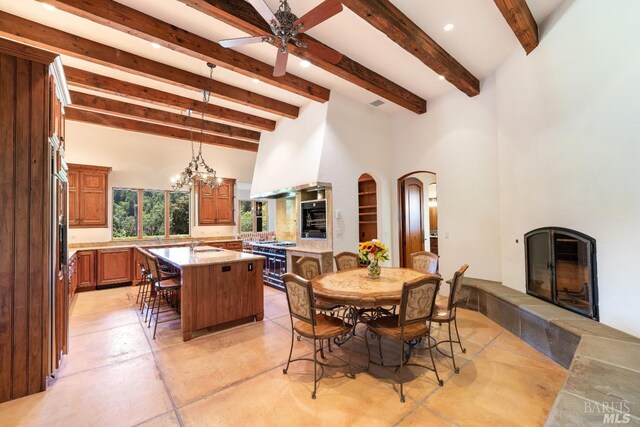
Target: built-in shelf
x=368 y=201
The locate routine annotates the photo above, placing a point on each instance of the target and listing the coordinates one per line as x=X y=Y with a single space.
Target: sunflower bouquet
x=371 y=253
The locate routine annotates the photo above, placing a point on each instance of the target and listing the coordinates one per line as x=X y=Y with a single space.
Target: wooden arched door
x=412 y=218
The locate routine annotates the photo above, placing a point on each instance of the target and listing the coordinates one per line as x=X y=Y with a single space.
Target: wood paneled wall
x=25 y=223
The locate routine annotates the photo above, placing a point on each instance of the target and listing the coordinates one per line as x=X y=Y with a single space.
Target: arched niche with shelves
x=367 y=208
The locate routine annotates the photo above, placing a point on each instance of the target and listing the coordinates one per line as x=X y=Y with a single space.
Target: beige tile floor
x=117 y=375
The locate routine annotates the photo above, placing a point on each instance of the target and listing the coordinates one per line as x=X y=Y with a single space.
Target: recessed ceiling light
x=440 y=77
x=448 y=27
x=255 y=81
x=155 y=45
x=305 y=64
x=48 y=6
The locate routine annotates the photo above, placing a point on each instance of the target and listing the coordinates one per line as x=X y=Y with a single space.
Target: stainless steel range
x=275 y=263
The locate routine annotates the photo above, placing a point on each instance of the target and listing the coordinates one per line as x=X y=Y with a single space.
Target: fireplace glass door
x=561 y=269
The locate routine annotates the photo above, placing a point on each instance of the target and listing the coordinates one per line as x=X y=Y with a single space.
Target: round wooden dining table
x=354 y=288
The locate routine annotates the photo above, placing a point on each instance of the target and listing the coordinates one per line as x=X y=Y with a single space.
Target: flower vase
x=373 y=268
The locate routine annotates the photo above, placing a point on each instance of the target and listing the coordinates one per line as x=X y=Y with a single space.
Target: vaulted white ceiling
x=480 y=41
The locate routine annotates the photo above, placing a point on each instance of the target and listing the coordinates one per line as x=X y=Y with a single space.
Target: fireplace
x=561 y=269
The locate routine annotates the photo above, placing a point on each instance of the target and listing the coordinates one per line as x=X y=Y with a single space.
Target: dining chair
x=347 y=261
x=413 y=322
x=448 y=315
x=166 y=289
x=312 y=324
x=309 y=268
x=425 y=261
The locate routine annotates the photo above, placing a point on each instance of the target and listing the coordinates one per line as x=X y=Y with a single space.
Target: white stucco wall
x=569 y=147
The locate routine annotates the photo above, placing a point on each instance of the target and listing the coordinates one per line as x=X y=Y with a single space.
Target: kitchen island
x=218 y=286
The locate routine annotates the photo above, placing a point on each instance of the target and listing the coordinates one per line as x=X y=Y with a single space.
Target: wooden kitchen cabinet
x=216 y=207
x=88 y=196
x=86 y=270
x=114 y=266
x=73 y=276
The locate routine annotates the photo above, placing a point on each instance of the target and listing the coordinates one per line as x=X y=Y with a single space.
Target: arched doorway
x=416 y=209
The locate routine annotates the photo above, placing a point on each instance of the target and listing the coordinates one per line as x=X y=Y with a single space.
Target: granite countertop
x=180 y=256
x=124 y=244
x=308 y=250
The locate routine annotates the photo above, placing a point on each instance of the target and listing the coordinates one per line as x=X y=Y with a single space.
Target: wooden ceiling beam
x=387 y=18
x=77 y=115
x=88 y=80
x=521 y=20
x=23 y=30
x=89 y=102
x=243 y=16
x=120 y=17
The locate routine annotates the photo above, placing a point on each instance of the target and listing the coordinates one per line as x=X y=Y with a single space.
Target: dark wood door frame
x=401 y=240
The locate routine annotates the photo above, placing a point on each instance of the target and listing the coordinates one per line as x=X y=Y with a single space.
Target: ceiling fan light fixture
x=286 y=27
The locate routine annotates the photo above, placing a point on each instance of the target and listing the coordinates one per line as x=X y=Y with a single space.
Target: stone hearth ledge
x=603 y=362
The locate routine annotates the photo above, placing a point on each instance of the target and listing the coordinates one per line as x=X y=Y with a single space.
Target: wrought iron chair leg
x=366 y=340
x=455 y=323
x=155 y=328
x=351 y=374
x=315 y=369
x=329 y=346
x=380 y=349
x=284 y=371
x=322 y=349
x=401 y=365
x=435 y=368
x=453 y=356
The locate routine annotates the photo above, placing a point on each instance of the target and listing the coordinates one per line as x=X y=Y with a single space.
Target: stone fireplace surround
x=603 y=362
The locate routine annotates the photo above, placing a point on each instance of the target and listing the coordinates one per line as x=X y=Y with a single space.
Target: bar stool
x=147 y=290
x=166 y=289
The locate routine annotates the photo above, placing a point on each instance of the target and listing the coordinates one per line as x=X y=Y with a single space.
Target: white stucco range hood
x=291 y=191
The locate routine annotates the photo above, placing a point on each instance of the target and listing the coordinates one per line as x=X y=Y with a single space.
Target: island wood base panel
x=220 y=293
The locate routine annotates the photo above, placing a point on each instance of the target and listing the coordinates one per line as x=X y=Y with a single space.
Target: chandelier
x=197 y=171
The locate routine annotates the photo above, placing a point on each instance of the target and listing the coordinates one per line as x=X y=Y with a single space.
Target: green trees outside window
x=159 y=218
x=253 y=216
x=125 y=213
x=179 y=213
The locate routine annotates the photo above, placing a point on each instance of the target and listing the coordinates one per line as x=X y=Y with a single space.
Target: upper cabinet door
x=206 y=206
x=74 y=217
x=88 y=196
x=215 y=207
x=224 y=207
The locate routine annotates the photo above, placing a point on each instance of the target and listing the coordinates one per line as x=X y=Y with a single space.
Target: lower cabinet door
x=114 y=266
x=86 y=270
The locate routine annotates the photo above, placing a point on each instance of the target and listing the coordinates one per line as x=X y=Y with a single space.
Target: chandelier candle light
x=372 y=253
x=197 y=170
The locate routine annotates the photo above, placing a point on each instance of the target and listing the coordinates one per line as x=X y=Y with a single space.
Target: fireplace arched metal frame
x=561 y=269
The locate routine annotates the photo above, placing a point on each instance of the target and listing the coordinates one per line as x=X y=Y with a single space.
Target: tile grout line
x=164 y=382
x=451 y=375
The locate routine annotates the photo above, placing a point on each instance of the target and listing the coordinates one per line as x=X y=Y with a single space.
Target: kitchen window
x=254 y=216
x=156 y=213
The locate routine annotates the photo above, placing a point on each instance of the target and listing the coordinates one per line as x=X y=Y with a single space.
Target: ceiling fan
x=286 y=27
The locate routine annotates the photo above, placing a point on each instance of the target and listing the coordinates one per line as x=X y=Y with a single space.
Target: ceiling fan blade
x=242 y=41
x=264 y=11
x=280 y=69
x=318 y=14
x=320 y=50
